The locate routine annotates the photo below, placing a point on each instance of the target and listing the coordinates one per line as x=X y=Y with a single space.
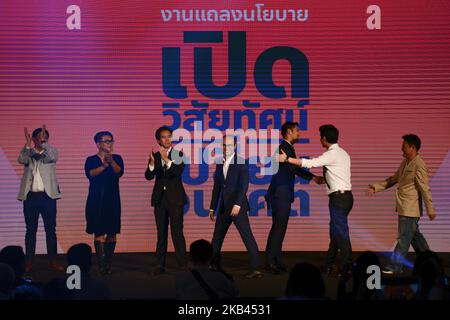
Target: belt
x=339 y=192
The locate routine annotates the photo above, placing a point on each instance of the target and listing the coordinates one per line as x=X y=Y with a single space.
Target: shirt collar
x=333 y=146
x=170 y=150
x=229 y=159
x=40 y=152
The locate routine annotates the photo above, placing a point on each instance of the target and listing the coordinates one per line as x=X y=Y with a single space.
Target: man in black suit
x=229 y=199
x=280 y=196
x=168 y=198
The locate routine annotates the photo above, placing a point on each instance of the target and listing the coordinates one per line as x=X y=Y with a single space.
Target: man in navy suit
x=280 y=196
x=229 y=199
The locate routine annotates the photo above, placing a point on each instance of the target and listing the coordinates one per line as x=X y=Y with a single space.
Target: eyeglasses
x=107 y=141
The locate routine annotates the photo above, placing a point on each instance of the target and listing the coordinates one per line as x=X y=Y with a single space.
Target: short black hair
x=330 y=132
x=412 y=140
x=37 y=131
x=99 y=135
x=305 y=281
x=286 y=126
x=201 y=251
x=15 y=258
x=161 y=129
x=80 y=255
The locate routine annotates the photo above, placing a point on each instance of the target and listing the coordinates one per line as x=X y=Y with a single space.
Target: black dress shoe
x=282 y=268
x=327 y=271
x=254 y=274
x=272 y=268
x=214 y=267
x=345 y=274
x=184 y=269
x=157 y=271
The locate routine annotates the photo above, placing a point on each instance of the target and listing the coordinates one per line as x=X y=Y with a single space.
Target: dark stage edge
x=131 y=279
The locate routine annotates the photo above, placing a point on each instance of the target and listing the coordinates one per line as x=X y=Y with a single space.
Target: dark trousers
x=408 y=234
x=35 y=204
x=167 y=213
x=340 y=206
x=242 y=223
x=281 y=210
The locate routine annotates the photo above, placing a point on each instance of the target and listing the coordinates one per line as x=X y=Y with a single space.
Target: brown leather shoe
x=28 y=266
x=56 y=266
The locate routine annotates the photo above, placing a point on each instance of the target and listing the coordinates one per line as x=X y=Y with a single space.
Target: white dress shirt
x=168 y=164
x=337 y=163
x=226 y=165
x=37 y=185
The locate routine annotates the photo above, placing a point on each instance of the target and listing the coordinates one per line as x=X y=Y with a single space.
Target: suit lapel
x=288 y=148
x=158 y=164
x=220 y=170
x=230 y=167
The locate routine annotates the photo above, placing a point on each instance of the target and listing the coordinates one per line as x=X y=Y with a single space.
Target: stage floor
x=131 y=279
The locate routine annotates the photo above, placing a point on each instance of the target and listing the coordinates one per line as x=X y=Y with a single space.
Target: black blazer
x=170 y=178
x=282 y=183
x=232 y=190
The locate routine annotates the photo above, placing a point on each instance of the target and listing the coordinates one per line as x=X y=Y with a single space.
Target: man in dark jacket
x=281 y=195
x=168 y=198
x=229 y=199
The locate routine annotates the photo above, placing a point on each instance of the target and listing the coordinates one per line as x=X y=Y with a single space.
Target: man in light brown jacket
x=412 y=192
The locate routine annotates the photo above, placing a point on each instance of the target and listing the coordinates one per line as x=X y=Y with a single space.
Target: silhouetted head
x=56 y=289
x=428 y=268
x=201 y=252
x=305 y=281
x=364 y=260
x=26 y=291
x=15 y=258
x=7 y=277
x=80 y=255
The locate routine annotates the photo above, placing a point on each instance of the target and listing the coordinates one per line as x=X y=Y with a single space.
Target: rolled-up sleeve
x=324 y=160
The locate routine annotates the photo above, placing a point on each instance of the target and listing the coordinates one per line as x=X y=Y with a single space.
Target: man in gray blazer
x=39 y=191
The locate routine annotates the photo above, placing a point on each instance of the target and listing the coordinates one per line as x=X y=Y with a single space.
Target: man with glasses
x=39 y=191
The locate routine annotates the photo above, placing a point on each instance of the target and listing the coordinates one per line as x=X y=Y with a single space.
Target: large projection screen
x=374 y=82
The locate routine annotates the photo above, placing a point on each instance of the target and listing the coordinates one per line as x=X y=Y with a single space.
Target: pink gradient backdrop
x=373 y=85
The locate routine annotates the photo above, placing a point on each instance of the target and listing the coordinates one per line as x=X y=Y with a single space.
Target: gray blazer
x=47 y=169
